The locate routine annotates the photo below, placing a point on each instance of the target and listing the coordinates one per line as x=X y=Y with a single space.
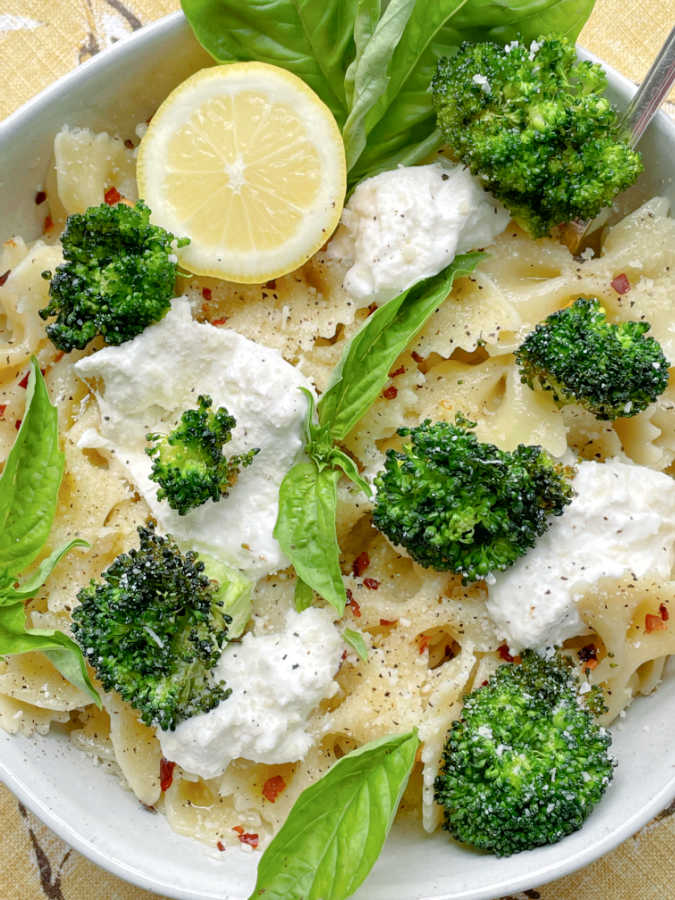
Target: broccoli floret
x=117 y=277
x=457 y=504
x=534 y=124
x=526 y=762
x=611 y=370
x=155 y=626
x=189 y=465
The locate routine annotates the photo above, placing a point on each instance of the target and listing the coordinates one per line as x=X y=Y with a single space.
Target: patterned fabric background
x=40 y=40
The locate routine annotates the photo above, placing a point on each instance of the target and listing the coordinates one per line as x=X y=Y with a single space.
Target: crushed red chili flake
x=371 y=308
x=24 y=381
x=3 y=407
x=40 y=197
x=207 y=294
x=621 y=284
x=17 y=424
x=399 y=371
x=484 y=683
x=654 y=623
x=390 y=392
x=423 y=642
x=360 y=564
x=250 y=839
x=388 y=622
x=220 y=845
x=273 y=787
x=48 y=224
x=271 y=284
x=590 y=664
x=220 y=321
x=371 y=583
x=166 y=773
x=417 y=357
x=112 y=196
x=4 y=277
x=353 y=605
x=239 y=829
x=590 y=651
x=129 y=144
x=503 y=651
x=344 y=655
x=663 y=612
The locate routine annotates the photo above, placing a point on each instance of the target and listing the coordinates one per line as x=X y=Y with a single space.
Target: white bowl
x=89 y=808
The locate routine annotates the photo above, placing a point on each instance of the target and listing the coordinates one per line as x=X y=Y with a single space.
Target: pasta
x=431 y=637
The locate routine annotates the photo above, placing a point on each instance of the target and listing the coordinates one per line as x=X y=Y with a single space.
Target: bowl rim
x=167 y=25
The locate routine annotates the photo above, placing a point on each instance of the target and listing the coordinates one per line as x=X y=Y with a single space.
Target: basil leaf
x=29 y=586
x=337 y=827
x=305 y=529
x=340 y=459
x=313 y=40
x=304 y=595
x=30 y=480
x=374 y=348
x=365 y=22
x=356 y=641
x=61 y=650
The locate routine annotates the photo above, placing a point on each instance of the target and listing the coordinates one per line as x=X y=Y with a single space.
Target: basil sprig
x=29 y=489
x=305 y=526
x=371 y=61
x=337 y=827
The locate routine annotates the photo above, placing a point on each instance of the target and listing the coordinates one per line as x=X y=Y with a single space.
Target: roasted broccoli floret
x=526 y=762
x=457 y=504
x=189 y=465
x=155 y=626
x=117 y=277
x=611 y=370
x=534 y=124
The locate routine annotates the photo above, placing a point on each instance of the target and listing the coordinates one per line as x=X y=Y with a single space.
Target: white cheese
x=276 y=681
x=621 y=520
x=407 y=224
x=149 y=381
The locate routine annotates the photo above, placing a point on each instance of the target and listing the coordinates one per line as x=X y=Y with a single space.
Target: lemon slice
x=246 y=161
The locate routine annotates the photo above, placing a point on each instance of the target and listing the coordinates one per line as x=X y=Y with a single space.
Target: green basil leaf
x=346 y=463
x=30 y=481
x=29 y=586
x=367 y=16
x=304 y=595
x=61 y=650
x=305 y=529
x=337 y=827
x=313 y=40
x=356 y=641
x=372 y=351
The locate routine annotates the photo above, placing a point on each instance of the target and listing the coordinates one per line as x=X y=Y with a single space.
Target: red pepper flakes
x=503 y=651
x=663 y=612
x=344 y=655
x=399 y=371
x=40 y=197
x=4 y=277
x=590 y=664
x=48 y=224
x=3 y=407
x=353 y=605
x=590 y=651
x=112 y=196
x=166 y=773
x=273 y=787
x=423 y=642
x=220 y=321
x=621 y=284
x=17 y=424
x=219 y=844
x=246 y=837
x=371 y=308
x=360 y=564
x=371 y=583
x=654 y=623
x=417 y=357
x=207 y=294
x=484 y=683
x=271 y=284
x=129 y=144
x=24 y=381
x=390 y=392
x=386 y=623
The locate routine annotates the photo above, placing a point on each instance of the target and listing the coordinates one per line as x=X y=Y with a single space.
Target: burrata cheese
x=149 y=381
x=409 y=223
x=621 y=520
x=276 y=681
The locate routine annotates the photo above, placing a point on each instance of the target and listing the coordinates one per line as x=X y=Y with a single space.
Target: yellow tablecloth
x=40 y=40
